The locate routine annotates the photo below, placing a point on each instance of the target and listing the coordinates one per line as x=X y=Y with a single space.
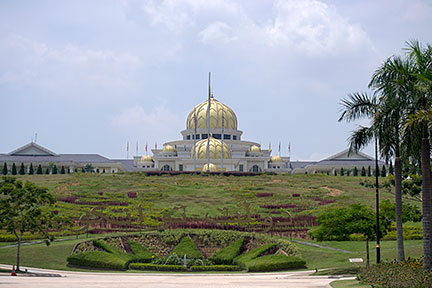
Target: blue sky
x=89 y=76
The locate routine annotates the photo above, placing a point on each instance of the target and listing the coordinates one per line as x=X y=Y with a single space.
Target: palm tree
x=393 y=82
x=420 y=117
x=357 y=106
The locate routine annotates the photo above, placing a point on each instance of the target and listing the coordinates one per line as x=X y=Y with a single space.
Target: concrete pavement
x=299 y=279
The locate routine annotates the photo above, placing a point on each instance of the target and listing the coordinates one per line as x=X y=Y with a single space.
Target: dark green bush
x=242 y=260
x=216 y=268
x=113 y=250
x=274 y=263
x=187 y=247
x=156 y=267
x=226 y=255
x=97 y=259
x=406 y=274
x=140 y=253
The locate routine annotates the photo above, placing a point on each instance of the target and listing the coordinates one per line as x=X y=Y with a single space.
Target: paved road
x=129 y=280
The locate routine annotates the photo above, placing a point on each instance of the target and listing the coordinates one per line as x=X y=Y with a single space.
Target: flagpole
x=208 y=127
x=194 y=137
x=127 y=149
x=222 y=148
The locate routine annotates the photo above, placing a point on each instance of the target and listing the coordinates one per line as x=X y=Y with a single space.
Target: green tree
x=25 y=208
x=54 y=169
x=384 y=173
x=342 y=173
x=339 y=223
x=5 y=169
x=355 y=171
x=363 y=172
x=88 y=168
x=47 y=171
x=420 y=120
x=14 y=170
x=369 y=174
x=22 y=169
x=409 y=212
x=39 y=169
x=62 y=170
x=31 y=170
x=391 y=169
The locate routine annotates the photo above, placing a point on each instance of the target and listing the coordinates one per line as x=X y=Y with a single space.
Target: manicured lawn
x=348 y=284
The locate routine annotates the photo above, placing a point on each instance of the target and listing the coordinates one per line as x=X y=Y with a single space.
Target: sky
x=91 y=76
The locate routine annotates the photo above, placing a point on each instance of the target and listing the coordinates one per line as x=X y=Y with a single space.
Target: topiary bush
x=242 y=260
x=97 y=259
x=140 y=254
x=226 y=255
x=274 y=263
x=156 y=267
x=187 y=247
x=216 y=268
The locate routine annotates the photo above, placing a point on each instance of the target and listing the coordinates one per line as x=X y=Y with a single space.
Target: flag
x=195 y=123
x=156 y=145
x=137 y=148
x=127 y=147
x=279 y=148
x=289 y=147
x=146 y=147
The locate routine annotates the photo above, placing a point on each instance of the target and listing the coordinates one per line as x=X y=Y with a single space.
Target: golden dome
x=215 y=149
x=255 y=148
x=146 y=158
x=212 y=168
x=216 y=110
x=276 y=158
x=168 y=148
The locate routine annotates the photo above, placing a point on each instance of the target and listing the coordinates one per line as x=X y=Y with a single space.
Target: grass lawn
x=348 y=284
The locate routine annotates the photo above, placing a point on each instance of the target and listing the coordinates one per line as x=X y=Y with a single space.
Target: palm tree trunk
x=398 y=201
x=367 y=252
x=427 y=203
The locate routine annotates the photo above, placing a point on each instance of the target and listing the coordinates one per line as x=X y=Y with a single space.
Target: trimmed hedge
x=113 y=250
x=97 y=259
x=226 y=255
x=216 y=268
x=140 y=253
x=274 y=263
x=156 y=267
x=243 y=260
x=187 y=247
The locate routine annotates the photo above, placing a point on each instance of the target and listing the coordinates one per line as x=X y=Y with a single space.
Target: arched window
x=166 y=167
x=255 y=169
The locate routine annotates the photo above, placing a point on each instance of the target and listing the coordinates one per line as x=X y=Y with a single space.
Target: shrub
x=140 y=253
x=187 y=247
x=156 y=267
x=274 y=263
x=242 y=260
x=216 y=268
x=97 y=259
x=406 y=274
x=113 y=250
x=226 y=255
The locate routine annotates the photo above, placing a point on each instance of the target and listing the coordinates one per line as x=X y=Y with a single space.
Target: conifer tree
x=391 y=169
x=355 y=171
x=54 y=170
x=76 y=170
x=39 y=169
x=31 y=171
x=369 y=171
x=47 y=171
x=103 y=171
x=348 y=172
x=383 y=171
x=22 y=170
x=5 y=169
x=342 y=173
x=62 y=170
x=363 y=171
x=14 y=170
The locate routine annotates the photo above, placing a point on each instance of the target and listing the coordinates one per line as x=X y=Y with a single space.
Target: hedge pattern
x=216 y=268
x=97 y=259
x=156 y=267
x=274 y=263
x=226 y=255
x=187 y=247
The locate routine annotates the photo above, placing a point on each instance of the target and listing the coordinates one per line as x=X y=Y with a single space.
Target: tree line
x=399 y=108
x=52 y=169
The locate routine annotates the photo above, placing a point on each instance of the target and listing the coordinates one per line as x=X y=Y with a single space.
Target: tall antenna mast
x=208 y=125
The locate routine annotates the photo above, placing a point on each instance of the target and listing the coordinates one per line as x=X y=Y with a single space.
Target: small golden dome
x=215 y=149
x=255 y=148
x=216 y=110
x=212 y=168
x=168 y=148
x=146 y=158
x=276 y=158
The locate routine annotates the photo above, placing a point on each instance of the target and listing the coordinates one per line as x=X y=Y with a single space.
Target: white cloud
x=217 y=32
x=35 y=64
x=136 y=121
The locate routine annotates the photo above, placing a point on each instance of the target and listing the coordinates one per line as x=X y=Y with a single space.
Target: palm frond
x=356 y=106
